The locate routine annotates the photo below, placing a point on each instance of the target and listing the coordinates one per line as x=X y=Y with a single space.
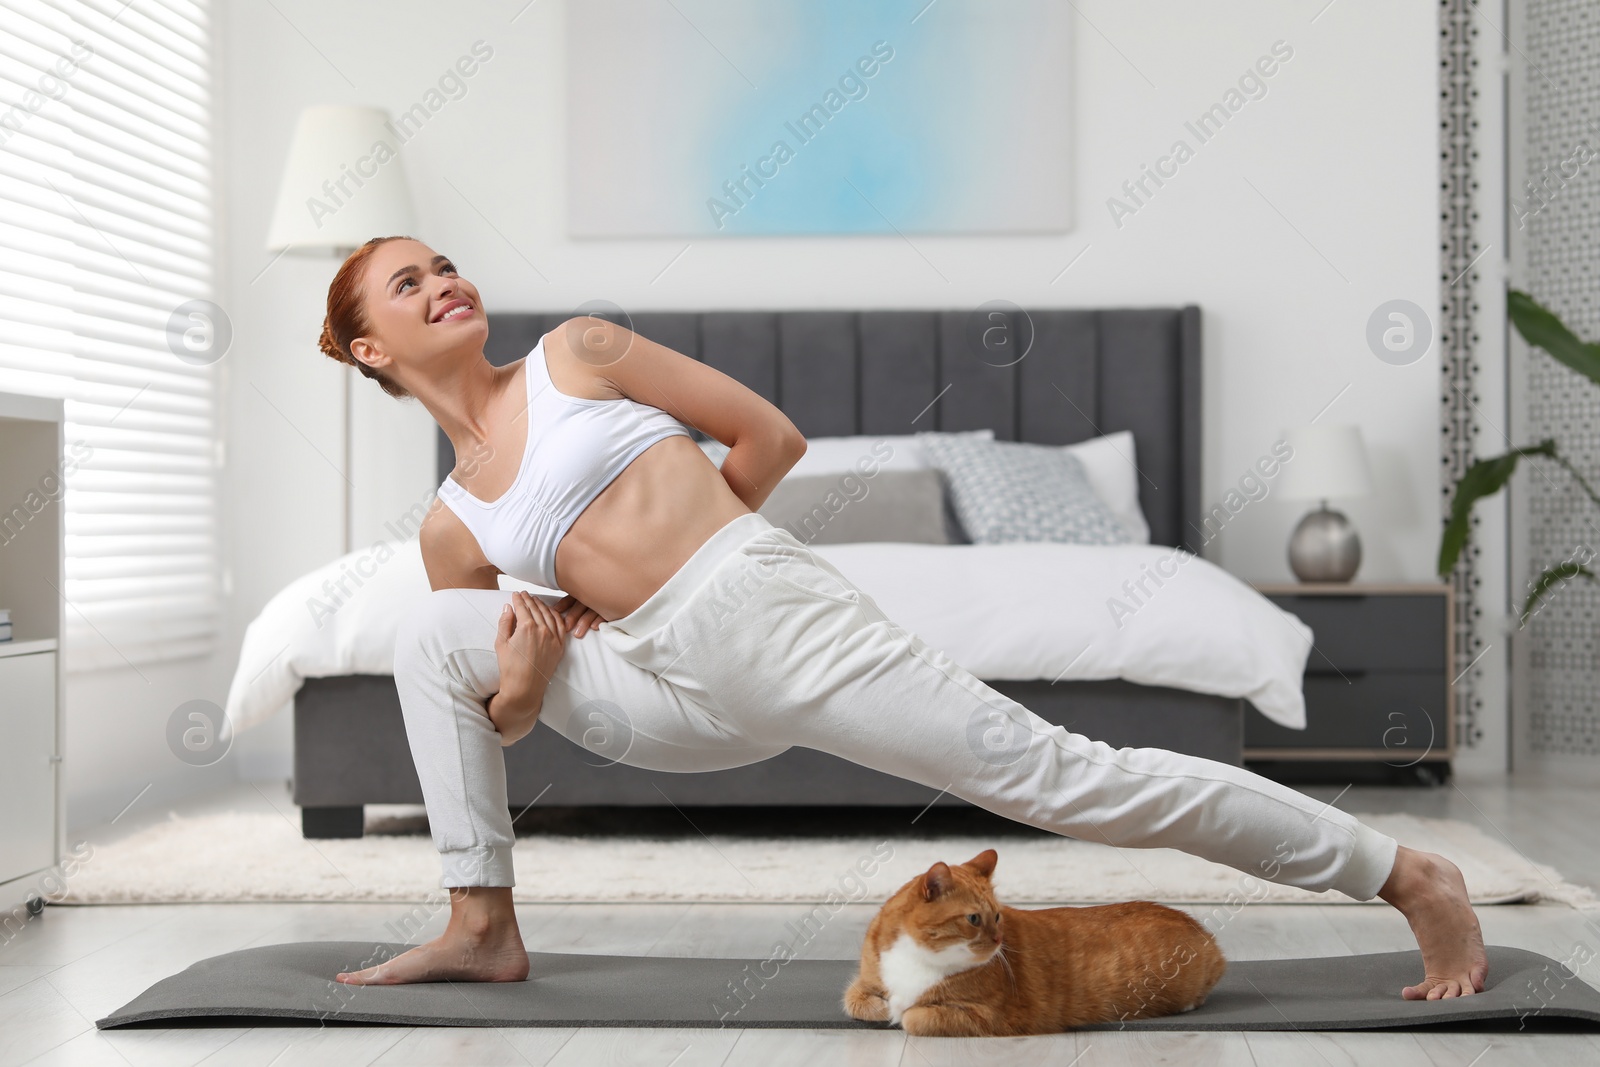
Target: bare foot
x=480 y=944
x=1429 y=891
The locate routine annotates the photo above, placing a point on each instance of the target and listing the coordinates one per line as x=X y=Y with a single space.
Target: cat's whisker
x=1005 y=961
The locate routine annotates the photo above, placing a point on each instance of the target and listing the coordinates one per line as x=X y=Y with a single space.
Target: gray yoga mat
x=294 y=981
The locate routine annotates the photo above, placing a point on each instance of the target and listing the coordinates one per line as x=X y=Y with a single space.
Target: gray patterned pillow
x=1006 y=491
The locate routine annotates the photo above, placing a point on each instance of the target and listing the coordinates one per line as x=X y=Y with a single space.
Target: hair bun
x=330 y=346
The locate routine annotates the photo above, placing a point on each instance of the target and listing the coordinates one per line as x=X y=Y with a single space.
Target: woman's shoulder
x=578 y=353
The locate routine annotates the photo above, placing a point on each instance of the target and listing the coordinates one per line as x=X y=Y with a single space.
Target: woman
x=723 y=640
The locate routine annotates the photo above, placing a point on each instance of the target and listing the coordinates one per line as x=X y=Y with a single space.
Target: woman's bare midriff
x=644 y=526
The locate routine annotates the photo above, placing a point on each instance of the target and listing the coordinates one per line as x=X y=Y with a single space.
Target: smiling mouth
x=461 y=311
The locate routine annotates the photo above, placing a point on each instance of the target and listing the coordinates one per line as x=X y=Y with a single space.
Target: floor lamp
x=342 y=184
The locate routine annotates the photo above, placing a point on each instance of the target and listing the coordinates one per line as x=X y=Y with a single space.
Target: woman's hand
x=580 y=618
x=529 y=643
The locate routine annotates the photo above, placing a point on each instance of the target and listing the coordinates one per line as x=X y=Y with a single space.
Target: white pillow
x=836 y=455
x=1109 y=463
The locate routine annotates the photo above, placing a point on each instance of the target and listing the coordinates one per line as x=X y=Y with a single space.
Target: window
x=106 y=273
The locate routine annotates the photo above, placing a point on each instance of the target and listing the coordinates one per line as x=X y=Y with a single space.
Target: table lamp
x=1329 y=463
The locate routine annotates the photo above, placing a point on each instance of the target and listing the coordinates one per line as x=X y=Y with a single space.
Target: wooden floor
x=73 y=965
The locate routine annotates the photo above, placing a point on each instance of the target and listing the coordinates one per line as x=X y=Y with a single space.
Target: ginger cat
x=944 y=958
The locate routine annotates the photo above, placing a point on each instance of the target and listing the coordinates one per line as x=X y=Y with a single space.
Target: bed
x=1085 y=374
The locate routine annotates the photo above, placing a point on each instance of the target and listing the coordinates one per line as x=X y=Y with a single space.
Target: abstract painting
x=703 y=118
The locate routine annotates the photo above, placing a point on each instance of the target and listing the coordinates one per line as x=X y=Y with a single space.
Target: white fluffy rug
x=260 y=856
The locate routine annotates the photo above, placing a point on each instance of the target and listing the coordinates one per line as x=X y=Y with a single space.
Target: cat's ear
x=937 y=881
x=983 y=863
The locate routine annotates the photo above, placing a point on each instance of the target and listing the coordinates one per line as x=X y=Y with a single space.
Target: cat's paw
x=924 y=1022
x=942 y=1020
x=864 y=1004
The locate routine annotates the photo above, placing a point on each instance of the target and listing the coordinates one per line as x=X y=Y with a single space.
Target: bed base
x=350 y=750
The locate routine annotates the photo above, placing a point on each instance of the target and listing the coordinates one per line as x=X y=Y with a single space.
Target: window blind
x=105 y=244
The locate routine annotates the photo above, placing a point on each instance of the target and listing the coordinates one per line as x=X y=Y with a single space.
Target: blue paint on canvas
x=823 y=117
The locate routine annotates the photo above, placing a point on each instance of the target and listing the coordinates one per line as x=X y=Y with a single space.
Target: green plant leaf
x=1484 y=478
x=1539 y=326
x=1561 y=572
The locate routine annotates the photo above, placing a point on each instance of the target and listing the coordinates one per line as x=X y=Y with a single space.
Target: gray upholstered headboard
x=874 y=372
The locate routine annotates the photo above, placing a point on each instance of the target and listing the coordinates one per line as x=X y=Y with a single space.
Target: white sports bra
x=575 y=447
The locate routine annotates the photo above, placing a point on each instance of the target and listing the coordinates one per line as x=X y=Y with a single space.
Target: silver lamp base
x=1324 y=547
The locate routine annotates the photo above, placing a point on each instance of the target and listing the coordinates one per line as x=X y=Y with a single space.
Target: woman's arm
x=530 y=635
x=450 y=556
x=754 y=466
x=762 y=443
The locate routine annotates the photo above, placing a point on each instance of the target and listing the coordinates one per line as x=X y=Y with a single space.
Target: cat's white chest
x=909 y=969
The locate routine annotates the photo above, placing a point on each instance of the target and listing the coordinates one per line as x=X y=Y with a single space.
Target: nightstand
x=1379 y=696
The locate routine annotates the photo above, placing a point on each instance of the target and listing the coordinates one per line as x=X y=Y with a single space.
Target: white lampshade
x=1329 y=463
x=342 y=183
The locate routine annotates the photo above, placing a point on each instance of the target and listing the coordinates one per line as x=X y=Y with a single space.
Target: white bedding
x=1005 y=612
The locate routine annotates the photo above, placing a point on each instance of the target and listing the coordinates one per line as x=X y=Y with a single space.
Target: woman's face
x=420 y=312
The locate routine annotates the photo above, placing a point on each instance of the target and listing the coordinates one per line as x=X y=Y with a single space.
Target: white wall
x=1315 y=204
x=117 y=758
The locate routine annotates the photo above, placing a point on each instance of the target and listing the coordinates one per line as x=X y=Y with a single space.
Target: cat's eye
x=974 y=920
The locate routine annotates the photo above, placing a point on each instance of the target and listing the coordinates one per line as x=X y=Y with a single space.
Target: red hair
x=346 y=318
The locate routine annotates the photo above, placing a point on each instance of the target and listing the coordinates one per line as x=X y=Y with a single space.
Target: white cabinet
x=32 y=576
x=27 y=762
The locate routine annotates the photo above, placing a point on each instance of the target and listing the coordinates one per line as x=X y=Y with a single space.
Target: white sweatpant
x=757 y=644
